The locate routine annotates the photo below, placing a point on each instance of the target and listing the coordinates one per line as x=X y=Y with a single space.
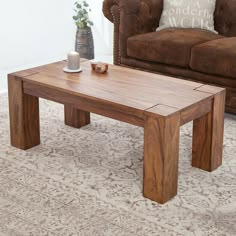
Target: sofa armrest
x=131 y=17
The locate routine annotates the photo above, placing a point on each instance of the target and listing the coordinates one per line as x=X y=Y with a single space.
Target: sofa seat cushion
x=216 y=57
x=168 y=46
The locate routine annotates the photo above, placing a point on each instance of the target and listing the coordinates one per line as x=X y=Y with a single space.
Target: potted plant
x=84 y=38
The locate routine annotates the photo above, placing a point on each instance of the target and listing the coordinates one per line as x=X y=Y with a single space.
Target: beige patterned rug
x=89 y=182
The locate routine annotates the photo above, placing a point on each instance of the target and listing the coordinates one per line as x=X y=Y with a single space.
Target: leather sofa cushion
x=225 y=17
x=168 y=46
x=216 y=57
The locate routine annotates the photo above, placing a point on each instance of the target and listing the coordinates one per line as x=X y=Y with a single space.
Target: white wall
x=103 y=29
x=38 y=32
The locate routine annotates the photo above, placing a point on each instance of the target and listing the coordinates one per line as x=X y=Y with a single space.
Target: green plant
x=81 y=17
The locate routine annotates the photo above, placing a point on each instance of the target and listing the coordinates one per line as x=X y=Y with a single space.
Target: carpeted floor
x=89 y=182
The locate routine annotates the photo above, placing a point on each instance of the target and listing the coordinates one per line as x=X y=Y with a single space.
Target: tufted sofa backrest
x=225 y=17
x=148 y=13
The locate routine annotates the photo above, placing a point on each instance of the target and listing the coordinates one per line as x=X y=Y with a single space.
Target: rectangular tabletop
x=135 y=91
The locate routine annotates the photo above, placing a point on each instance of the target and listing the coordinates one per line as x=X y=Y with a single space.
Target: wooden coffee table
x=158 y=103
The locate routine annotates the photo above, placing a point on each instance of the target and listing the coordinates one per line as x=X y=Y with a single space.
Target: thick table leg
x=161 y=153
x=76 y=118
x=208 y=136
x=24 y=115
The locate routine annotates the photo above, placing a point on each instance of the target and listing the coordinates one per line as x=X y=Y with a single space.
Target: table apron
x=196 y=110
x=115 y=111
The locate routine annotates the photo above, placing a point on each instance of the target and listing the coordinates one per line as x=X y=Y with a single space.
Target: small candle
x=73 y=60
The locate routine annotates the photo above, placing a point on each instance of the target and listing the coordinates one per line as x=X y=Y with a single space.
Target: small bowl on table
x=99 y=67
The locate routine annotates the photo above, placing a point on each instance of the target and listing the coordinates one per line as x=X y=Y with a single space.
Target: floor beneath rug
x=89 y=182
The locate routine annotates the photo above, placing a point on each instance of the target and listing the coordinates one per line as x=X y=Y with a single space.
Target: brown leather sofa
x=192 y=54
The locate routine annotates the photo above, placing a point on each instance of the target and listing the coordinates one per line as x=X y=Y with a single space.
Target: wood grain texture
x=158 y=103
x=196 y=110
x=23 y=73
x=97 y=106
x=161 y=110
x=210 y=89
x=76 y=118
x=208 y=133
x=124 y=86
x=24 y=115
x=161 y=153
